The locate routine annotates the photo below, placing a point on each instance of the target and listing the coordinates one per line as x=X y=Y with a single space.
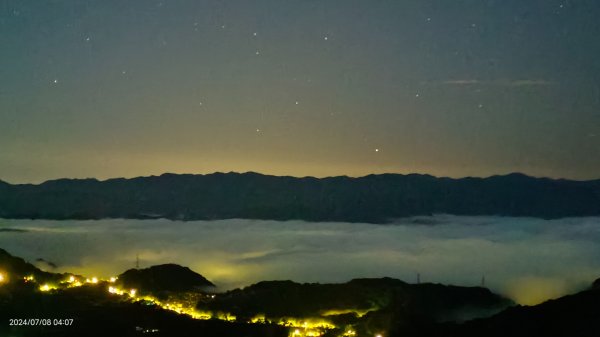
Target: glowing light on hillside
x=47 y=287
x=313 y=327
x=301 y=328
x=357 y=312
x=2 y=278
x=73 y=282
x=175 y=307
x=307 y=327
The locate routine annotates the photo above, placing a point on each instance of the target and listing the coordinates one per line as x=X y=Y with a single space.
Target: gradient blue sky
x=452 y=88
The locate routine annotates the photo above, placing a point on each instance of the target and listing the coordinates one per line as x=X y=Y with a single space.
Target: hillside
x=572 y=315
x=366 y=305
x=165 y=277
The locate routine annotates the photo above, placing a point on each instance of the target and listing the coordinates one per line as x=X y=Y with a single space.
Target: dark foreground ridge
x=359 y=308
x=373 y=198
x=572 y=315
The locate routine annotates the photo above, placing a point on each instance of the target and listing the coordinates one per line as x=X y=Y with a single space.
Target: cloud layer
x=529 y=260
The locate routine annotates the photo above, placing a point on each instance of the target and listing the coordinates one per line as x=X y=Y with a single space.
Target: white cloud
x=528 y=259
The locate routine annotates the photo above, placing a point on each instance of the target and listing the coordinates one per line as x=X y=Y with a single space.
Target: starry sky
x=92 y=88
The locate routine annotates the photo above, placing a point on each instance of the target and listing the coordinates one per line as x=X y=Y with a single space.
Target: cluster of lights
x=93 y=280
x=47 y=287
x=175 y=307
x=2 y=278
x=307 y=328
x=70 y=282
x=117 y=291
x=73 y=282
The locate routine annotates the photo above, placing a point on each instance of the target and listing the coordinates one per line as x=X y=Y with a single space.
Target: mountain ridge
x=375 y=198
x=343 y=176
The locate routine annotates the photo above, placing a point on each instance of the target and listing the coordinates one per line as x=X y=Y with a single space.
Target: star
x=326 y=38
x=255 y=33
x=376 y=150
x=55 y=81
x=297 y=102
x=257 y=52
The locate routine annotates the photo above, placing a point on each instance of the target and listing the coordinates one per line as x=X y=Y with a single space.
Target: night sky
x=299 y=87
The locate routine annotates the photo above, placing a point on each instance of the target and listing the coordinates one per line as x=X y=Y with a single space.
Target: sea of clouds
x=529 y=260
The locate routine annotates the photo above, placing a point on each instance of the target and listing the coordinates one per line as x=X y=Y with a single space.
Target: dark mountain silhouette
x=165 y=277
x=572 y=315
x=366 y=304
x=373 y=198
x=15 y=269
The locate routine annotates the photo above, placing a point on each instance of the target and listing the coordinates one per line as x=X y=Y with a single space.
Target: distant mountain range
x=373 y=198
